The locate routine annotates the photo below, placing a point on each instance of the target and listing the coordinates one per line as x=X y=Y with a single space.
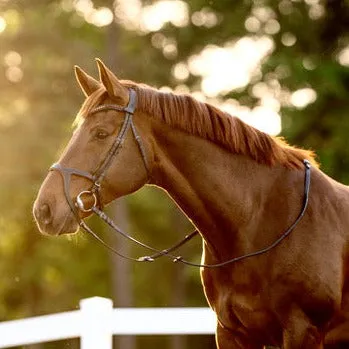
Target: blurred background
x=280 y=65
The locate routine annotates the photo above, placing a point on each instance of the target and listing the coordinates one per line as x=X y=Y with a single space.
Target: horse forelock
x=90 y=102
x=204 y=120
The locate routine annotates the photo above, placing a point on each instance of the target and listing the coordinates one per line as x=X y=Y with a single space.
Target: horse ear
x=87 y=83
x=113 y=86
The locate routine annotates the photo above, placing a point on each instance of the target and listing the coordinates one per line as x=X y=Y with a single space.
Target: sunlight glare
x=262 y=118
x=272 y=27
x=316 y=11
x=311 y=2
x=180 y=71
x=285 y=7
x=231 y=67
x=269 y=93
x=302 y=97
x=252 y=24
x=263 y=13
x=128 y=13
x=199 y=96
x=14 y=74
x=170 y=50
x=100 y=17
x=12 y=20
x=343 y=57
x=2 y=24
x=288 y=39
x=308 y=63
x=182 y=89
x=12 y=58
x=205 y=17
x=83 y=7
x=158 y=40
x=153 y=17
x=166 y=89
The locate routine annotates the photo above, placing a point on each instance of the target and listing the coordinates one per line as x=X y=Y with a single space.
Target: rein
x=94 y=193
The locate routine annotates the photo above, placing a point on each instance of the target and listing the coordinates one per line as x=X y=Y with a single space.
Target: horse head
x=107 y=156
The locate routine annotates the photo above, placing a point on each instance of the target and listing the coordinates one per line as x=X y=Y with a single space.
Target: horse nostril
x=45 y=214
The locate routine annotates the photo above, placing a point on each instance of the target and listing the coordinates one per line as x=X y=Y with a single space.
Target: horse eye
x=100 y=134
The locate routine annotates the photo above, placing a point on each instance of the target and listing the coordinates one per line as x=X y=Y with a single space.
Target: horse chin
x=70 y=227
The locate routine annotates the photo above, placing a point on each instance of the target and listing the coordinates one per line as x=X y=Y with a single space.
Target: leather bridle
x=97 y=177
x=94 y=193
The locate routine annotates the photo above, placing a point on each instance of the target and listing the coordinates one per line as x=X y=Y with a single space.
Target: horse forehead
x=102 y=118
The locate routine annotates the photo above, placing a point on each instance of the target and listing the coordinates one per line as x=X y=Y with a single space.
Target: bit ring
x=80 y=203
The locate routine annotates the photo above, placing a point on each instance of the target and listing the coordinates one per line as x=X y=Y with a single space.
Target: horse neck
x=220 y=192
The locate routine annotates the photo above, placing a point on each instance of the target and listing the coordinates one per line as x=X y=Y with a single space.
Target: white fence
x=97 y=321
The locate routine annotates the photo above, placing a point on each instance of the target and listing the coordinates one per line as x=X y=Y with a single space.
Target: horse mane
x=206 y=121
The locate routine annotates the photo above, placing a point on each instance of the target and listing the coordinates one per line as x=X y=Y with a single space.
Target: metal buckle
x=80 y=204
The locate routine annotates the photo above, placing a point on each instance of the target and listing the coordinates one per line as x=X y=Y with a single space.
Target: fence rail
x=97 y=321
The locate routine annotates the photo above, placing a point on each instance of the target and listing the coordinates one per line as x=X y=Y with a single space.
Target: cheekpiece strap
x=132 y=103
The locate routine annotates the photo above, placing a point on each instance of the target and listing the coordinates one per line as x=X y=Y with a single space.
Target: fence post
x=96 y=317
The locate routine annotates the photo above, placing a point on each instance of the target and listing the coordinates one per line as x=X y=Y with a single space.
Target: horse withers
x=242 y=188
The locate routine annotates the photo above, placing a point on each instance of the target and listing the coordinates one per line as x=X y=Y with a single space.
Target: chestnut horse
x=241 y=188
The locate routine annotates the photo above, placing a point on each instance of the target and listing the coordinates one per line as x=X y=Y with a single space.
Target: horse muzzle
x=50 y=224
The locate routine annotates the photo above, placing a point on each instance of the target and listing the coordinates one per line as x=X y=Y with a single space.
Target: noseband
x=96 y=207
